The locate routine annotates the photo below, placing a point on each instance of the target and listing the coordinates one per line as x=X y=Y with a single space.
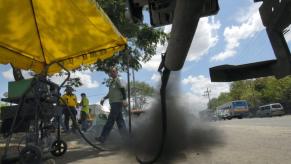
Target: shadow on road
x=82 y=154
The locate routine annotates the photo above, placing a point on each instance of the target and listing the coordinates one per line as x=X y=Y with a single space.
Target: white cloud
x=249 y=25
x=85 y=78
x=288 y=34
x=153 y=64
x=244 y=14
x=198 y=86
x=156 y=77
x=8 y=75
x=205 y=38
x=167 y=28
x=155 y=61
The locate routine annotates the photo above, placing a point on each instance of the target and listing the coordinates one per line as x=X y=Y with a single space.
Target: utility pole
x=207 y=93
x=128 y=94
x=134 y=89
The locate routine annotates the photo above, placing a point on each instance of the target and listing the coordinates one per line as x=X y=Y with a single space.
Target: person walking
x=117 y=100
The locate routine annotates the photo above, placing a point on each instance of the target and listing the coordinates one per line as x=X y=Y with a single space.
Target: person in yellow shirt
x=70 y=101
x=84 y=112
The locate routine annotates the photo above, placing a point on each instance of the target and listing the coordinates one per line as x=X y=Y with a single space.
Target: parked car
x=269 y=110
x=208 y=115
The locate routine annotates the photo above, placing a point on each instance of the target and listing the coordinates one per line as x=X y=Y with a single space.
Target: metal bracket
x=276 y=16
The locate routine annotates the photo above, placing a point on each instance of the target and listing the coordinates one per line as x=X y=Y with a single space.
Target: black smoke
x=185 y=132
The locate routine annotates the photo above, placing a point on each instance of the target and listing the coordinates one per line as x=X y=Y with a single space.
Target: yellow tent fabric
x=36 y=33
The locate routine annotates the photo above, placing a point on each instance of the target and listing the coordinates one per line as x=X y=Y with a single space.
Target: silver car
x=269 y=110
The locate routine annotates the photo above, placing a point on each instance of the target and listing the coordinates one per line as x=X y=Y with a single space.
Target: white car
x=269 y=110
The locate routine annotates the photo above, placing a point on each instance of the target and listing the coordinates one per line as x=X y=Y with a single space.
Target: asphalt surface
x=244 y=141
x=248 y=141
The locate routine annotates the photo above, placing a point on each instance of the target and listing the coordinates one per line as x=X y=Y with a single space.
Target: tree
x=2 y=104
x=223 y=98
x=257 y=92
x=142 y=39
x=141 y=92
x=237 y=89
x=286 y=91
x=142 y=88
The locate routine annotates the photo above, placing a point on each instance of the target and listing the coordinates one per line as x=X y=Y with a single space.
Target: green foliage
x=257 y=92
x=74 y=82
x=140 y=92
x=3 y=104
x=223 y=97
x=141 y=89
x=142 y=39
x=138 y=88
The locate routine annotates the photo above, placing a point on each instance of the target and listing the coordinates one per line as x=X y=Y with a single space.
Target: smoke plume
x=185 y=132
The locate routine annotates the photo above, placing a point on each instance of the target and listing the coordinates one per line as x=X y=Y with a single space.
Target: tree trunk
x=17 y=74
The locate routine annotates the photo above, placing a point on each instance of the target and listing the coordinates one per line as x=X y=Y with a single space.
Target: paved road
x=248 y=141
x=245 y=141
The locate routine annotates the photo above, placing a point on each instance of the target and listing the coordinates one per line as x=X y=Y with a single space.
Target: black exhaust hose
x=165 y=78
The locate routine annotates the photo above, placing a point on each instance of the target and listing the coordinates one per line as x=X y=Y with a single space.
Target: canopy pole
x=37 y=30
x=134 y=89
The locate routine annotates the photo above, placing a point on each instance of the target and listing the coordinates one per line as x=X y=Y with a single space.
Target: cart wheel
x=30 y=154
x=59 y=148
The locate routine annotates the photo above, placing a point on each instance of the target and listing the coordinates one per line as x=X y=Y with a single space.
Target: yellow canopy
x=36 y=33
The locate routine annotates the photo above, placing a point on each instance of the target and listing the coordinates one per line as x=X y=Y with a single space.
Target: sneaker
x=100 y=139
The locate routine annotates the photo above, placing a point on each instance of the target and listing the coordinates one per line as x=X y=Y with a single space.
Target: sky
x=234 y=36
